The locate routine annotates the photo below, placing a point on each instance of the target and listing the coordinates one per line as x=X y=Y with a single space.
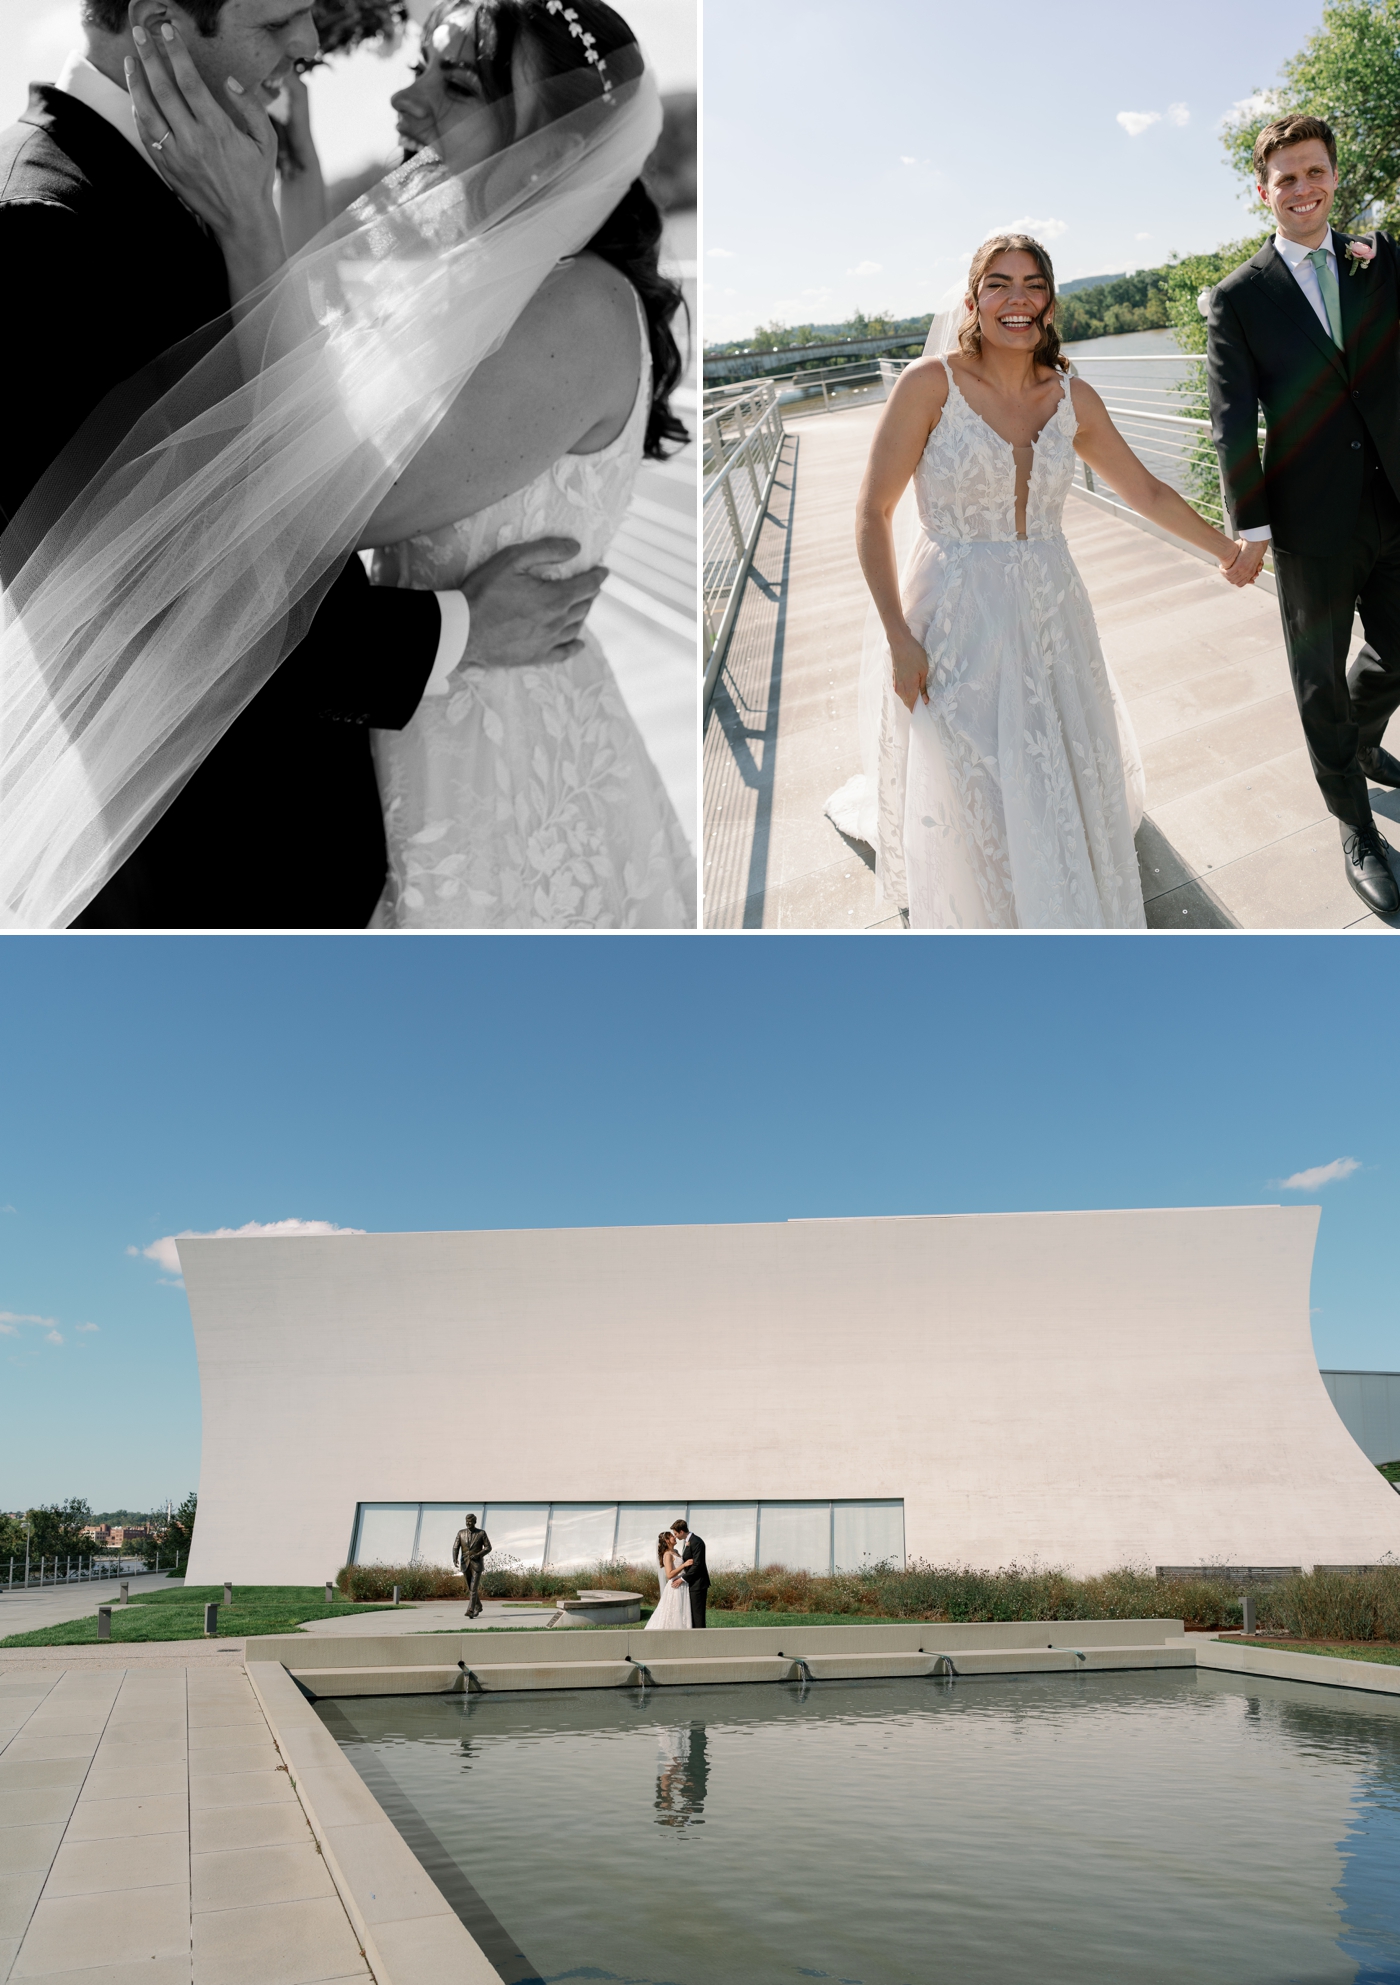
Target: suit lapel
x=1277 y=281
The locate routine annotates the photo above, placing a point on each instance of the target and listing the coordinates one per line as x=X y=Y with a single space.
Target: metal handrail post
x=731 y=612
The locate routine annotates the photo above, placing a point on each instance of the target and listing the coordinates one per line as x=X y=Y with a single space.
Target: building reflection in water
x=682 y=1776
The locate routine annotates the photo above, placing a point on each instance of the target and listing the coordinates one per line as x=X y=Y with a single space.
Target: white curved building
x=1078 y=1389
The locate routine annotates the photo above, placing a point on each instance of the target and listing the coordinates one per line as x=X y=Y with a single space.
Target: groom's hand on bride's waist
x=518 y=617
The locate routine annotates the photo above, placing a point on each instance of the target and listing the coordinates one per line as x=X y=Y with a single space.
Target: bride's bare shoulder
x=925 y=380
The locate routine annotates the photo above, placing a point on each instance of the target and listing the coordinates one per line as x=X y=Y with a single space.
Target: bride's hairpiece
x=590 y=43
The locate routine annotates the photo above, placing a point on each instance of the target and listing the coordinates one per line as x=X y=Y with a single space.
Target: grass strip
x=178 y=1614
x=1389 y=1657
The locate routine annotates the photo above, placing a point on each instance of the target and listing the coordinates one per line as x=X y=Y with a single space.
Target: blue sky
x=853 y=155
x=154 y=1085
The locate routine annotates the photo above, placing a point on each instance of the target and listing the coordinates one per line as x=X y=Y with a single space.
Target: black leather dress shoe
x=1368 y=869
x=1378 y=765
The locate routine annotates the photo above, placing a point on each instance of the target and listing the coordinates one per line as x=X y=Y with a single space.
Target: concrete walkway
x=1236 y=835
x=54 y=1605
x=431 y=1616
x=149 y=1831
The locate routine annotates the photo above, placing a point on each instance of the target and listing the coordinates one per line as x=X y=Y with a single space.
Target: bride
x=477 y=354
x=673 y=1606
x=1003 y=788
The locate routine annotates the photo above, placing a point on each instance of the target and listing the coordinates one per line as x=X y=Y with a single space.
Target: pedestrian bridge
x=1236 y=836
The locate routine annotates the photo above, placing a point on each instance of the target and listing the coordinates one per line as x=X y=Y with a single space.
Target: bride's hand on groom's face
x=910 y=670
x=222 y=162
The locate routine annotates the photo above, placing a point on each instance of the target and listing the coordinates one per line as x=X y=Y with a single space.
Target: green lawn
x=178 y=1614
x=1363 y=1650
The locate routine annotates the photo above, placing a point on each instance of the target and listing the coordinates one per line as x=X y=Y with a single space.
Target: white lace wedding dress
x=525 y=798
x=673 y=1607
x=1010 y=799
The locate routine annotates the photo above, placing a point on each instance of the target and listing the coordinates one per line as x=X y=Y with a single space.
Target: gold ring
x=156 y=143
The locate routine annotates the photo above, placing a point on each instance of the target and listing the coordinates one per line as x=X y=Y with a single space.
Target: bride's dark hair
x=666 y=1537
x=1047 y=352
x=566 y=39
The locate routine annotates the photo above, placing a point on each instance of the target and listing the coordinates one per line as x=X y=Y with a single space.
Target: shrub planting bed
x=1350 y=1606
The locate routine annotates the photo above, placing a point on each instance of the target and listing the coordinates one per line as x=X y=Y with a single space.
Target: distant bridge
x=763 y=365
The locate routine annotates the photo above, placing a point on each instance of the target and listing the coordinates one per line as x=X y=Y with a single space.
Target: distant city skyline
x=854 y=161
x=154 y=1086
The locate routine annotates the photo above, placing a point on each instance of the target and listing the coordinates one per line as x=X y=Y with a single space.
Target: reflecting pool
x=1154 y=1829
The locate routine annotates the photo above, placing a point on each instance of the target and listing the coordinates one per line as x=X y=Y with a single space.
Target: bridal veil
x=152 y=587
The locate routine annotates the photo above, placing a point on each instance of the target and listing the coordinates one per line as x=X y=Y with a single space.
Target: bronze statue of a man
x=469 y=1551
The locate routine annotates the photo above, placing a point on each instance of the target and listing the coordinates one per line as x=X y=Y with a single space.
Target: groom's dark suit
x=281 y=825
x=1328 y=487
x=697 y=1577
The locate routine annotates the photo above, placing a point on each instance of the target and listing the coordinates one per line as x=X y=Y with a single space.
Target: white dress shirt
x=78 y=78
x=1295 y=255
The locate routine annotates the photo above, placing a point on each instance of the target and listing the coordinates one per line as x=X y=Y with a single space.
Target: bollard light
x=104 y=1623
x=228 y=1593
x=125 y=1592
x=211 y=1619
x=396 y=1595
x=1247 y=1614
x=329 y=1590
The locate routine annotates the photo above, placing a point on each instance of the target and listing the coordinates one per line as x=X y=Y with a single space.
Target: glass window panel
x=639 y=1527
x=386 y=1533
x=581 y=1533
x=729 y=1531
x=869 y=1534
x=438 y=1530
x=795 y=1535
x=516 y=1531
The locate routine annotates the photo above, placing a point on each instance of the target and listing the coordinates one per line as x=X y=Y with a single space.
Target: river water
x=1180 y=1828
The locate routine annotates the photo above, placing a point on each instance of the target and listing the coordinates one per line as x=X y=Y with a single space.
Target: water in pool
x=1100 y=1830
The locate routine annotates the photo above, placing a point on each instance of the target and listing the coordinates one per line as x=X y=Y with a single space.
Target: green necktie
x=1331 y=296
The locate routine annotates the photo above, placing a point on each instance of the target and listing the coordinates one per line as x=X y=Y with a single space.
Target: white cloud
x=9 y=1209
x=13 y=1321
x=1177 y=113
x=865 y=269
x=1046 y=229
x=907 y=161
x=166 y=1254
x=1320 y=1175
x=1135 y=122
x=84 y=1329
x=1142 y=237
x=720 y=254
x=1246 y=107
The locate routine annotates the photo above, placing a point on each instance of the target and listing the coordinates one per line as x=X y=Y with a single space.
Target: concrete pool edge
x=1328 y=1671
x=410 y=1933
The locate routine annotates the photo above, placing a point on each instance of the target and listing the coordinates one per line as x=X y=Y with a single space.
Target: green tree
x=170 y=1536
x=1349 y=74
x=770 y=337
x=11 y=1538
x=56 y=1529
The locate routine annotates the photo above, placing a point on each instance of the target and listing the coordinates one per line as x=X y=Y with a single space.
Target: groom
x=106 y=268
x=693 y=1567
x=1308 y=330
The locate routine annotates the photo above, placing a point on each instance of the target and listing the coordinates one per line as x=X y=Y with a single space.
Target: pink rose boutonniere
x=1361 y=254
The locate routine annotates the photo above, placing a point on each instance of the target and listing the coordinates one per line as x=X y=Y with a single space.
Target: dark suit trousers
x=1317 y=596
x=698 y=1595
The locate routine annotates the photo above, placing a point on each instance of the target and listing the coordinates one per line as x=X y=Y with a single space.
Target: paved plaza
x=149 y=1831
x=1235 y=836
